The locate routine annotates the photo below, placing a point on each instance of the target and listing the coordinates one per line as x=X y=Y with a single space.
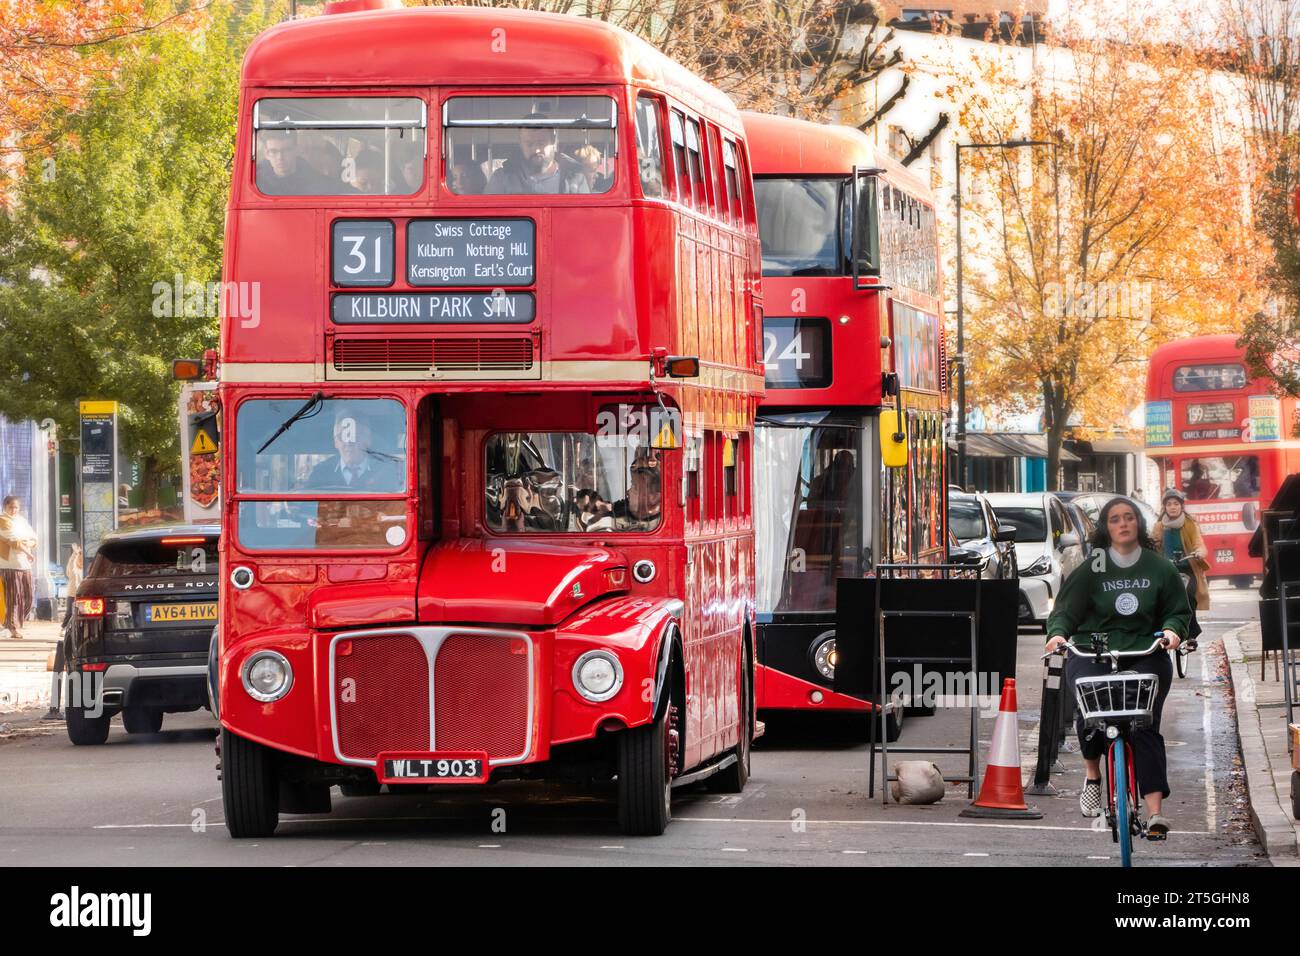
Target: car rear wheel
x=142 y=720
x=85 y=731
x=646 y=762
x=250 y=787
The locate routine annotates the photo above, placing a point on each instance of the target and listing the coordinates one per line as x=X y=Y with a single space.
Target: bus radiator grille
x=429 y=355
x=381 y=696
x=481 y=695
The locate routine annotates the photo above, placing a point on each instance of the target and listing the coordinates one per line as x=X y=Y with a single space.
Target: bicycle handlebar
x=1160 y=642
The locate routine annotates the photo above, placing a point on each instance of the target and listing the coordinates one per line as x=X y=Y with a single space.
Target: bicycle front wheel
x=1123 y=825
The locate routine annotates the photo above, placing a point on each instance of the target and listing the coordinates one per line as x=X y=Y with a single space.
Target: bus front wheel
x=646 y=758
x=250 y=787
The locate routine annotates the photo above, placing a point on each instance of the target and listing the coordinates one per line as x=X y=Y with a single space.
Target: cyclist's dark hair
x=1101 y=536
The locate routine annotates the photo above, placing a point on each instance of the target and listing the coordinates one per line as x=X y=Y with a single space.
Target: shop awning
x=1010 y=445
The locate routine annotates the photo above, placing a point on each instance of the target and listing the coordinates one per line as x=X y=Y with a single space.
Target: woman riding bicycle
x=1180 y=541
x=1127 y=591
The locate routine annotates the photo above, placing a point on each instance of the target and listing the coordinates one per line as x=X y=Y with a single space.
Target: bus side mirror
x=893 y=438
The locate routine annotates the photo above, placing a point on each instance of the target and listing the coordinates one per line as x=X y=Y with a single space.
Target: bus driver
x=355 y=465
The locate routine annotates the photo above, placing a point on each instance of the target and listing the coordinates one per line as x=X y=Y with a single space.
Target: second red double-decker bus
x=487 y=445
x=852 y=327
x=1221 y=437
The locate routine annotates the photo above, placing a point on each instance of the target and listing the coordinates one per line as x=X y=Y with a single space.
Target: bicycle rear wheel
x=1118 y=760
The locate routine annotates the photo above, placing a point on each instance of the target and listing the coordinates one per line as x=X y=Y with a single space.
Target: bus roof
x=426 y=46
x=781 y=145
x=1200 y=348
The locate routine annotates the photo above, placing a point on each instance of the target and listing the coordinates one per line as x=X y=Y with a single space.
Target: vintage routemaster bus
x=487 y=446
x=1223 y=438
x=852 y=327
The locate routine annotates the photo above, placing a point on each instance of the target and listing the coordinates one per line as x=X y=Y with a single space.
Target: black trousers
x=1149 y=764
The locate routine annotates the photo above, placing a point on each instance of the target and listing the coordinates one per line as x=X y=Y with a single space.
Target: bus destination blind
x=470 y=252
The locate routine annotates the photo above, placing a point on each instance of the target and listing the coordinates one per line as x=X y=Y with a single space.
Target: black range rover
x=137 y=643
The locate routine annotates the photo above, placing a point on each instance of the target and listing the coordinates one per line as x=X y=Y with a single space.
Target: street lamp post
x=961 y=315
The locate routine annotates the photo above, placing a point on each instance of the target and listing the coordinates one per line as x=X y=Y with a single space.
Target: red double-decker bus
x=1223 y=438
x=487 y=446
x=852 y=327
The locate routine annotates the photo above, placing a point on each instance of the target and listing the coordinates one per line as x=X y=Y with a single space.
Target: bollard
x=1049 y=727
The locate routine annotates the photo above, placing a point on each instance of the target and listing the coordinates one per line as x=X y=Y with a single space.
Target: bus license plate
x=1224 y=556
x=168 y=613
x=433 y=768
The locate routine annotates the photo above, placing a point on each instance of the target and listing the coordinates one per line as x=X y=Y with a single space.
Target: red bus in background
x=1222 y=438
x=837 y=350
x=488 y=444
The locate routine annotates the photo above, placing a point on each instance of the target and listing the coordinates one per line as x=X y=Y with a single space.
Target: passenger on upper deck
x=368 y=172
x=282 y=171
x=467 y=179
x=541 y=168
x=356 y=465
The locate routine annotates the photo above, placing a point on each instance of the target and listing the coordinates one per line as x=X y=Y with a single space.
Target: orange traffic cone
x=1003 y=796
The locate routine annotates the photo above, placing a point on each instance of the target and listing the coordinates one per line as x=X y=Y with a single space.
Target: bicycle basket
x=1116 y=698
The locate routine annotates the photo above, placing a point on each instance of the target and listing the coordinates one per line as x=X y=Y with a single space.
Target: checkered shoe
x=1090 y=798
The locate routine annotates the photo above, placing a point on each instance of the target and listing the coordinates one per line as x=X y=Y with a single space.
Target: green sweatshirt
x=1129 y=603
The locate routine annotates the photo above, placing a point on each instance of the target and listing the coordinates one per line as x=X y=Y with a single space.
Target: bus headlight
x=267 y=676
x=597 y=675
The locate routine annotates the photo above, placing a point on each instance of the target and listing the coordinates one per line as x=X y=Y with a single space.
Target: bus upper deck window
x=695 y=164
x=340 y=146
x=649 y=147
x=530 y=145
x=733 y=179
x=677 y=130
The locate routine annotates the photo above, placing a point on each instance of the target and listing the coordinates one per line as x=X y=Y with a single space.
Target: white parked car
x=1047 y=548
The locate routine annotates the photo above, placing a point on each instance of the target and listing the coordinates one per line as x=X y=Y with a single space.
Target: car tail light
x=90 y=607
x=616 y=578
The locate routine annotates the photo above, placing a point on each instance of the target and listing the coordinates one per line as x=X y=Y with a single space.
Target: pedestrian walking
x=75 y=571
x=17 y=557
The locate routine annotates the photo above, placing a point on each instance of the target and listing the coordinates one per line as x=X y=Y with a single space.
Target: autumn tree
x=54 y=52
x=1129 y=229
x=803 y=58
x=134 y=196
x=1263 y=48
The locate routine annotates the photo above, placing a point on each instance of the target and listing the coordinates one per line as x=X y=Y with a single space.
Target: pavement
x=1262 y=726
x=147 y=800
x=24 y=681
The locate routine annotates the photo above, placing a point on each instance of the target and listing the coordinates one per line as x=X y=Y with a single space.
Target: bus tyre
x=86 y=731
x=1242 y=581
x=734 y=778
x=644 y=780
x=142 y=720
x=894 y=724
x=250 y=787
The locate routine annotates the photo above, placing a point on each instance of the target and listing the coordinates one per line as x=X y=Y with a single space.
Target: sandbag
x=919 y=781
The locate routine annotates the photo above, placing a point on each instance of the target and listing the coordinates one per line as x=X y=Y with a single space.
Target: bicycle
x=1183 y=564
x=1116 y=704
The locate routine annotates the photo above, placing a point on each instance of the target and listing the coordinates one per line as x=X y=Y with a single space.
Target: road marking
x=734 y=849
x=613 y=847
x=974 y=854
x=914 y=823
x=489 y=846
x=1098 y=858
x=1211 y=808
x=854 y=852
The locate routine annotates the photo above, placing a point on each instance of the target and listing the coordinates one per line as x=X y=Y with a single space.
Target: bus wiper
x=312 y=406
